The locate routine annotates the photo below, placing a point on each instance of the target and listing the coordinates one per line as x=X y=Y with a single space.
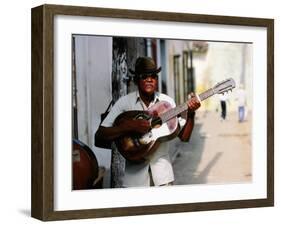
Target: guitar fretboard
x=173 y=113
x=206 y=94
x=183 y=107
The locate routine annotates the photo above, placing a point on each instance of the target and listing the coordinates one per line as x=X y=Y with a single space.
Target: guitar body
x=138 y=148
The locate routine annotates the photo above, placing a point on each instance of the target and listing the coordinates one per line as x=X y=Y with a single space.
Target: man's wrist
x=190 y=114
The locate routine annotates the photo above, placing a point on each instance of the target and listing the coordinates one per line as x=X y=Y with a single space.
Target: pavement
x=218 y=152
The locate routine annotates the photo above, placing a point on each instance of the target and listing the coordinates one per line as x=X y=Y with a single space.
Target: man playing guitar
x=157 y=170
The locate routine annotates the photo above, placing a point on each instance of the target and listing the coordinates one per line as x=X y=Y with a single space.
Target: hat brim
x=146 y=72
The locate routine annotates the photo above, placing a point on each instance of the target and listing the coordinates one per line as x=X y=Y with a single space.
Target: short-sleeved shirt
x=160 y=166
x=241 y=97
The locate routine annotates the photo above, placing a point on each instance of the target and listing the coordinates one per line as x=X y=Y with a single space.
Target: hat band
x=147 y=71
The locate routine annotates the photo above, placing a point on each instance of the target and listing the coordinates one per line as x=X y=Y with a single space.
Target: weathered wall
x=93 y=74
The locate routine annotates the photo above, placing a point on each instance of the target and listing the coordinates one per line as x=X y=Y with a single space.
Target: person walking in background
x=223 y=99
x=241 y=98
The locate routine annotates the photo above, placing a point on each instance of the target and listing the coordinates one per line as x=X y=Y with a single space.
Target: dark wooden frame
x=42 y=202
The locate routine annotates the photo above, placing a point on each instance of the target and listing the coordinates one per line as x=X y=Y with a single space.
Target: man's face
x=148 y=84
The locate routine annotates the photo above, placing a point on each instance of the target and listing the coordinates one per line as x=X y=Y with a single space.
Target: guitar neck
x=208 y=93
x=183 y=107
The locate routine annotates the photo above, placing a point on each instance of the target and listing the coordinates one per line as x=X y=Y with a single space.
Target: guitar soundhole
x=155 y=121
x=143 y=116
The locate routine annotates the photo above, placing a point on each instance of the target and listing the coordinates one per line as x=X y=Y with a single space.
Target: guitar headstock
x=224 y=86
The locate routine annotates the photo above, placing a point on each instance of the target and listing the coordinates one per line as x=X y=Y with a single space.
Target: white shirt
x=160 y=163
x=223 y=97
x=241 y=97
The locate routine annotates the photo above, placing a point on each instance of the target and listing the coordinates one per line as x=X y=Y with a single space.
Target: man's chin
x=149 y=91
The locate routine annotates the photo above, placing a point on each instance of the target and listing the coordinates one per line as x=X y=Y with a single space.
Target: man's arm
x=186 y=131
x=126 y=126
x=109 y=131
x=193 y=104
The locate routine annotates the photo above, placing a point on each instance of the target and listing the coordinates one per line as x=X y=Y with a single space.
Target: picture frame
x=43 y=107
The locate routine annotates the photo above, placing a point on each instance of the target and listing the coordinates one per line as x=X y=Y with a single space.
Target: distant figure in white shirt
x=241 y=98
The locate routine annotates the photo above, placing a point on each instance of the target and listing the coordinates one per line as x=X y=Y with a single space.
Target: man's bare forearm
x=186 y=131
x=110 y=133
x=127 y=126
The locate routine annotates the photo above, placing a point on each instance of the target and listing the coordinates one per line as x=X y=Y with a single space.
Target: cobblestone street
x=218 y=152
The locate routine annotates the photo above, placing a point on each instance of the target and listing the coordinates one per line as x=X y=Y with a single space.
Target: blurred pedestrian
x=241 y=98
x=223 y=100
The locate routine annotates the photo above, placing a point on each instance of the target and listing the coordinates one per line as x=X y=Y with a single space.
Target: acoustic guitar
x=138 y=148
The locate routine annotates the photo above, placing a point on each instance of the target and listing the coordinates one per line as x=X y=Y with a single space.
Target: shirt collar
x=156 y=97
